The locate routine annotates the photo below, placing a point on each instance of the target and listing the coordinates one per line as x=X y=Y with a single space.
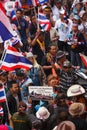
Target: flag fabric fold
x=35 y=2
x=41 y=2
x=14 y=59
x=6 y=31
x=84 y=59
x=2 y=94
x=44 y=22
x=13 y=15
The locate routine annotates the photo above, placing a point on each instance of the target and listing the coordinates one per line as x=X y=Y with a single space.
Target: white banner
x=41 y=90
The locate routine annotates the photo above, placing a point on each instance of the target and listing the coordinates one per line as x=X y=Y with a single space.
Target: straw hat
x=75 y=90
x=66 y=125
x=76 y=109
x=42 y=113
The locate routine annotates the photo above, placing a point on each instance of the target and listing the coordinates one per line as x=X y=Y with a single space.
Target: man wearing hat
x=67 y=76
x=76 y=110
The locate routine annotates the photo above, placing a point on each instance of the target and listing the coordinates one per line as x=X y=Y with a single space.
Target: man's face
x=19 y=14
x=14 y=88
x=58 y=4
x=78 y=6
x=75 y=28
x=34 y=20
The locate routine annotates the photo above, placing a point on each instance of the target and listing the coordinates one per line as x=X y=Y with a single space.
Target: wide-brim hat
x=42 y=113
x=66 y=125
x=76 y=109
x=61 y=54
x=75 y=90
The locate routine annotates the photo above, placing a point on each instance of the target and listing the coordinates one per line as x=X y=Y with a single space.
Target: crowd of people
x=55 y=57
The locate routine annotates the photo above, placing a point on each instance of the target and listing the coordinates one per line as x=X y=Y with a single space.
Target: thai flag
x=1 y=111
x=29 y=2
x=35 y=2
x=84 y=59
x=14 y=59
x=44 y=22
x=18 y=4
x=41 y=2
x=2 y=94
x=6 y=31
x=13 y=15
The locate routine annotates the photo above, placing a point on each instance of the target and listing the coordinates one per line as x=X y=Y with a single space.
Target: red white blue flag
x=44 y=22
x=13 y=15
x=2 y=94
x=35 y=2
x=14 y=59
x=41 y=2
x=1 y=111
x=84 y=59
x=6 y=31
x=18 y=4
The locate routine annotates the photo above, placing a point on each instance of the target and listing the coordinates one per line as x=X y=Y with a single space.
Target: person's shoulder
x=9 y=127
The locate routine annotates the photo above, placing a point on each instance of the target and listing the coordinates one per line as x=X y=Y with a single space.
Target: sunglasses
x=65 y=67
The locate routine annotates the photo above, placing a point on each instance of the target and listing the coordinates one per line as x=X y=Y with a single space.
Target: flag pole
x=2 y=58
x=36 y=17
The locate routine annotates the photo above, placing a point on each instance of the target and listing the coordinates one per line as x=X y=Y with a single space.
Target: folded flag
x=44 y=22
x=6 y=31
x=1 y=111
x=14 y=59
x=2 y=94
x=35 y=2
x=13 y=15
x=41 y=2
x=84 y=59
x=18 y=4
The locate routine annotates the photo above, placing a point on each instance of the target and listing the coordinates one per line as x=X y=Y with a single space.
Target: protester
x=67 y=76
x=40 y=64
x=13 y=96
x=48 y=61
x=36 y=73
x=76 y=110
x=2 y=126
x=20 y=119
x=22 y=27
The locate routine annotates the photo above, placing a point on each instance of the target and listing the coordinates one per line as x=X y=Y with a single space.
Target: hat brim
x=70 y=93
x=44 y=117
x=82 y=108
x=69 y=123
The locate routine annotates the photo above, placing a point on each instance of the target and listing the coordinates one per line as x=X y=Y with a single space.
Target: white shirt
x=63 y=29
x=56 y=13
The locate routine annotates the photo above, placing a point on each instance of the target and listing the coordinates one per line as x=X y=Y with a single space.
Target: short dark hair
x=50 y=45
x=19 y=10
x=10 y=83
